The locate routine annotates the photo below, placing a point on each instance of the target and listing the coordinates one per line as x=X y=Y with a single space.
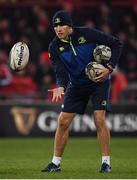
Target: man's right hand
x=57 y=93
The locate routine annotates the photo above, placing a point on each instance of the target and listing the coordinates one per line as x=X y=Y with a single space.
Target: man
x=70 y=52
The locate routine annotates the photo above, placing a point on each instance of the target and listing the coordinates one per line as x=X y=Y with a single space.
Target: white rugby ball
x=19 y=56
x=102 y=54
x=92 y=70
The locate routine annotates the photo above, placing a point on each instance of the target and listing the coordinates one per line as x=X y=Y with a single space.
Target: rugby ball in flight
x=19 y=56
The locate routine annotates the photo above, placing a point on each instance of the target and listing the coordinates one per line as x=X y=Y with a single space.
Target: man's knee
x=65 y=120
x=99 y=118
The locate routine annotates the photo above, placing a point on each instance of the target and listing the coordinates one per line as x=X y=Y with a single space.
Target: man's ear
x=71 y=30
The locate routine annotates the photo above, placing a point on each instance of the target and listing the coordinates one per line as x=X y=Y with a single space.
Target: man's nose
x=58 y=27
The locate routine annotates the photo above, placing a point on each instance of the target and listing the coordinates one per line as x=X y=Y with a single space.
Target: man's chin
x=61 y=37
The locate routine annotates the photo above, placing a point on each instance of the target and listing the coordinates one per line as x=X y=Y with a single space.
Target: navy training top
x=70 y=57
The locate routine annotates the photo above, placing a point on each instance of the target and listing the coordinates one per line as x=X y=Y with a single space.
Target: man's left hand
x=102 y=75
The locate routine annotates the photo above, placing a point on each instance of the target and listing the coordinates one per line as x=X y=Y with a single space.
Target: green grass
x=24 y=158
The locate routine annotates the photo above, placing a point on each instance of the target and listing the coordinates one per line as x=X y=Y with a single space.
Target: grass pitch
x=24 y=159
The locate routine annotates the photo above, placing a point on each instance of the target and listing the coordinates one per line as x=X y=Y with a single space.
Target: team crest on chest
x=61 y=49
x=81 y=40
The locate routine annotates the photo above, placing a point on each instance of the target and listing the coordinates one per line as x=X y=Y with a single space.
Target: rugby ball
x=92 y=70
x=19 y=56
x=102 y=54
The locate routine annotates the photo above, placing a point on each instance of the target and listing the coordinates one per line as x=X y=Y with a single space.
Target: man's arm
x=61 y=74
x=114 y=43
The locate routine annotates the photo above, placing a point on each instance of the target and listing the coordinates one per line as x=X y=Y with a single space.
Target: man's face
x=62 y=31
